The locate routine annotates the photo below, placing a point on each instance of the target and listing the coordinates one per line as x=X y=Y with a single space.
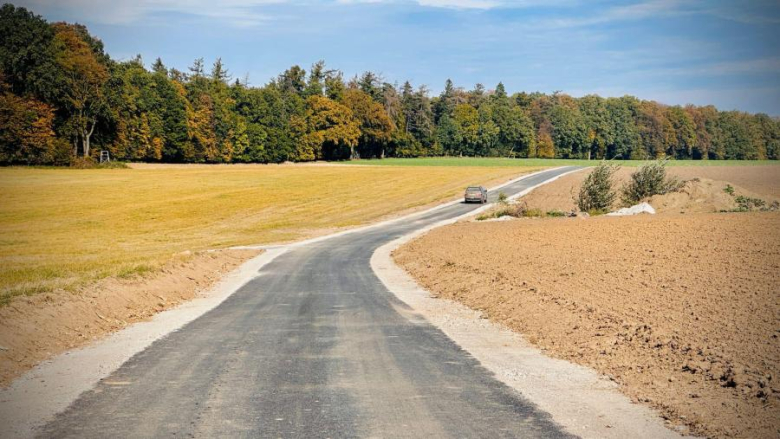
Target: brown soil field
x=683 y=311
x=705 y=195
x=38 y=327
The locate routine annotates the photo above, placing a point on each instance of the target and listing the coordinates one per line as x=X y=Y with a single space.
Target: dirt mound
x=703 y=191
x=763 y=180
x=702 y=195
x=681 y=311
x=35 y=328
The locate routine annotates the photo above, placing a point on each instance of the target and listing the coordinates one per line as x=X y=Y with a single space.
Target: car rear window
x=473 y=188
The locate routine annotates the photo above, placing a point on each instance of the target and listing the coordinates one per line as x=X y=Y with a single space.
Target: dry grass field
x=63 y=228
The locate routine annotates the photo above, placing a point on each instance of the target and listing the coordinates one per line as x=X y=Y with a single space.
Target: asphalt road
x=315 y=347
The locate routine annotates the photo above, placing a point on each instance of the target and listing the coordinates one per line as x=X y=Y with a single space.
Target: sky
x=725 y=53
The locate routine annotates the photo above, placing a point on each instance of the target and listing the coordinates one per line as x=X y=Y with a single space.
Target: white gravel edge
x=583 y=402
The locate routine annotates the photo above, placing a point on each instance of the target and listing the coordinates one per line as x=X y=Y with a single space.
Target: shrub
x=484 y=216
x=113 y=165
x=90 y=163
x=649 y=180
x=502 y=198
x=597 y=212
x=518 y=210
x=533 y=213
x=596 y=193
x=504 y=211
x=747 y=204
x=82 y=163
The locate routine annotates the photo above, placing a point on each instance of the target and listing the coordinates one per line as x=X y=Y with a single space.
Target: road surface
x=314 y=347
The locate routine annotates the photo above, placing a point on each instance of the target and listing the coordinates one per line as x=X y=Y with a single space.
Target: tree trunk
x=87 y=136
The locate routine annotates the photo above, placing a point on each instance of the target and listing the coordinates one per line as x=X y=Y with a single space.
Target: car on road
x=476 y=194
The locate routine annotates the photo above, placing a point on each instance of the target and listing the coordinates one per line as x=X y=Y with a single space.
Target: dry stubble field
x=86 y=252
x=62 y=227
x=682 y=310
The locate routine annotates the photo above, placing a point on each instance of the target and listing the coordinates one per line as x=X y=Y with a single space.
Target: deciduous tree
x=85 y=78
x=326 y=130
x=376 y=127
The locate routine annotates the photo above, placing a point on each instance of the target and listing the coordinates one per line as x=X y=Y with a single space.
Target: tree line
x=62 y=98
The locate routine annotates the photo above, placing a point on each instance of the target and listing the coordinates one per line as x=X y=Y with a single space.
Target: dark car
x=476 y=194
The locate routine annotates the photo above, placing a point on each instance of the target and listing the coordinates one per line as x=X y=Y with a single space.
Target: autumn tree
x=327 y=130
x=85 y=78
x=655 y=131
x=769 y=136
x=27 y=136
x=683 y=133
x=545 y=148
x=134 y=111
x=705 y=125
x=376 y=127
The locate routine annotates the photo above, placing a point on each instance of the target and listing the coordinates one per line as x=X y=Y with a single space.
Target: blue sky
x=725 y=53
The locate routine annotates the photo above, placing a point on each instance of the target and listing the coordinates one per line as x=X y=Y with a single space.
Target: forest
x=63 y=100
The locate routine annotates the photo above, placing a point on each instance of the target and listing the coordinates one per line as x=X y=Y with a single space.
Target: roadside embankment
x=38 y=327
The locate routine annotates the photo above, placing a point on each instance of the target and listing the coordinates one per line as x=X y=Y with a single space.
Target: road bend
x=314 y=347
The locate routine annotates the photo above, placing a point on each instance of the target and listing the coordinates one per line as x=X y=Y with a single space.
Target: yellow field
x=60 y=228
